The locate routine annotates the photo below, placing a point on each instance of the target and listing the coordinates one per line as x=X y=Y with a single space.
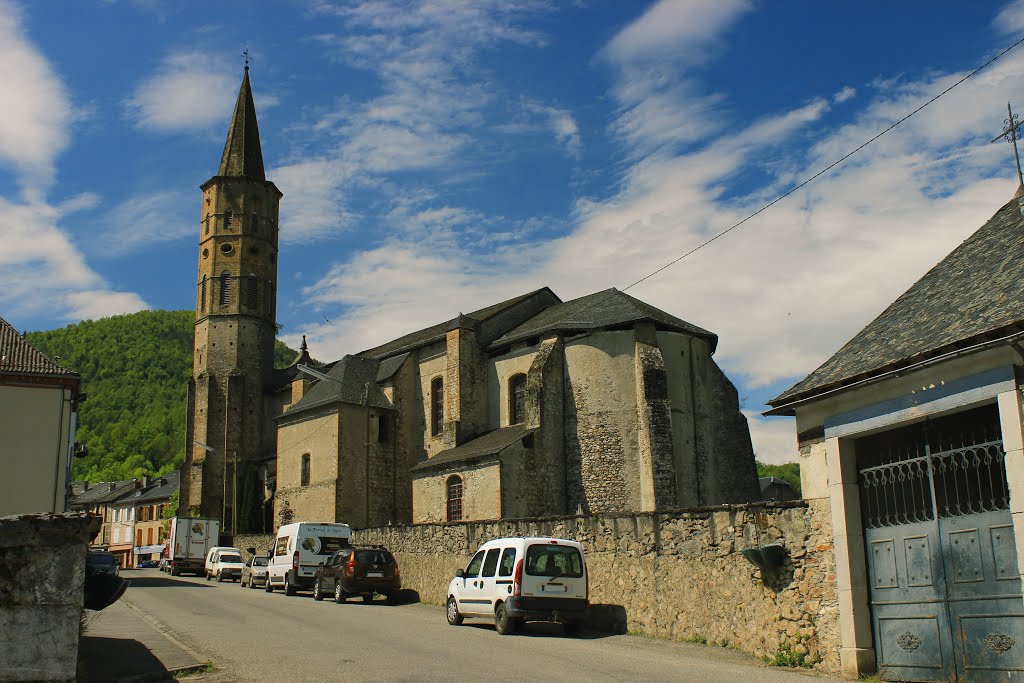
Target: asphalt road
x=250 y=635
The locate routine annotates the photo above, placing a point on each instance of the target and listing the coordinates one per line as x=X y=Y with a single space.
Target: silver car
x=254 y=573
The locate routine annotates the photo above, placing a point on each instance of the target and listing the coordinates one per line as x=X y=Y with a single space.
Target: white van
x=300 y=549
x=227 y=564
x=514 y=580
x=211 y=555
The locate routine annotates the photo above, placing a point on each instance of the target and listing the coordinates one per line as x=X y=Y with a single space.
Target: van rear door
x=554 y=570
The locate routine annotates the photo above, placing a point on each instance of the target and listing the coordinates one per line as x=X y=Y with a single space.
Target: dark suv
x=359 y=570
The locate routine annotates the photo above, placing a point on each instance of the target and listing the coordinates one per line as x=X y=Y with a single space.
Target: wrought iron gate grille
x=947 y=467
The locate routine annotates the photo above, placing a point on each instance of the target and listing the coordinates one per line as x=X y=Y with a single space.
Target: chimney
x=299 y=386
x=146 y=482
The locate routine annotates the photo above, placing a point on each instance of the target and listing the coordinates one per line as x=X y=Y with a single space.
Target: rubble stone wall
x=42 y=575
x=676 y=574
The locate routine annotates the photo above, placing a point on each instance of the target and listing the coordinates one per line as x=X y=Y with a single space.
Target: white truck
x=188 y=544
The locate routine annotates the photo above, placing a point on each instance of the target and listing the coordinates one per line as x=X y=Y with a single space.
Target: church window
x=206 y=253
x=454 y=506
x=304 y=475
x=225 y=288
x=436 y=406
x=206 y=223
x=226 y=248
x=255 y=221
x=250 y=294
x=517 y=399
x=268 y=295
x=227 y=218
x=202 y=295
x=383 y=429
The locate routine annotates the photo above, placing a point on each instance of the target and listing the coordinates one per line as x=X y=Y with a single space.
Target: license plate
x=549 y=588
x=375 y=574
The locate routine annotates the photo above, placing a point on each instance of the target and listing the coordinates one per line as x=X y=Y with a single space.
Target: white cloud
x=144 y=220
x=774 y=439
x=1010 y=19
x=190 y=90
x=36 y=112
x=845 y=93
x=313 y=204
x=674 y=28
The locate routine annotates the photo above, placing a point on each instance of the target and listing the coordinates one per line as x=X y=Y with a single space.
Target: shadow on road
x=540 y=629
x=113 y=660
x=162 y=582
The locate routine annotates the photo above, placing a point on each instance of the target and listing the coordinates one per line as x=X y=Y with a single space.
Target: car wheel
x=252 y=584
x=573 y=629
x=317 y=595
x=208 y=577
x=267 y=586
x=289 y=589
x=340 y=595
x=368 y=598
x=220 y=577
x=452 y=612
x=241 y=583
x=503 y=623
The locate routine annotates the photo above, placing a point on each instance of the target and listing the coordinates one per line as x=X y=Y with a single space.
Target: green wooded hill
x=135 y=369
x=789 y=472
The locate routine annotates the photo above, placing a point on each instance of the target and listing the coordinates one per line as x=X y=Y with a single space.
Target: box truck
x=188 y=543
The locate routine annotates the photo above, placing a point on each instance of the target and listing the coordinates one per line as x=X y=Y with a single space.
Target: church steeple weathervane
x=1011 y=133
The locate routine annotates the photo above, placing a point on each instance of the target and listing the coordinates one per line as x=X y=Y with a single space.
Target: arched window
x=436 y=406
x=517 y=399
x=202 y=295
x=225 y=288
x=454 y=494
x=255 y=221
x=206 y=223
x=304 y=475
x=383 y=429
x=250 y=294
x=227 y=218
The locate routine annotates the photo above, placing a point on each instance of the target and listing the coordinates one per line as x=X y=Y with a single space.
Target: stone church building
x=529 y=407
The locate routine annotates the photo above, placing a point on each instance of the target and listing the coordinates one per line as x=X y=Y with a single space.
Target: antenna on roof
x=1011 y=133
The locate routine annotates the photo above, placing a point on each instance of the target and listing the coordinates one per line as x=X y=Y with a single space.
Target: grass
x=204 y=668
x=699 y=639
x=789 y=658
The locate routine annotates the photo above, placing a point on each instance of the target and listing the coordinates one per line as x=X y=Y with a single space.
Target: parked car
x=359 y=570
x=211 y=555
x=299 y=550
x=101 y=562
x=255 y=571
x=515 y=580
x=227 y=564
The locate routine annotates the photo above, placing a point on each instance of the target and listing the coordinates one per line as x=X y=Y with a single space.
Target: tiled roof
x=437 y=332
x=600 y=310
x=160 y=488
x=103 y=492
x=481 y=447
x=348 y=379
x=977 y=291
x=18 y=356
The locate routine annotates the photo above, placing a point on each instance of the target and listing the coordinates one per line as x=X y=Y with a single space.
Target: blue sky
x=439 y=156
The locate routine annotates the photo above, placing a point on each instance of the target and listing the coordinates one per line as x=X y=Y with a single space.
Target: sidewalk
x=121 y=645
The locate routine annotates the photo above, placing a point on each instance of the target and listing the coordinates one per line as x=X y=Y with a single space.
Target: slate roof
x=605 y=309
x=389 y=366
x=160 y=488
x=434 y=333
x=490 y=444
x=103 y=492
x=975 y=293
x=242 y=154
x=349 y=377
x=18 y=356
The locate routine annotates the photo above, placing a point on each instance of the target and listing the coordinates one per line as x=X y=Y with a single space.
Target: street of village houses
x=257 y=637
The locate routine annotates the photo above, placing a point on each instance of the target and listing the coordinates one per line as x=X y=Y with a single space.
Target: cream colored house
x=912 y=432
x=38 y=411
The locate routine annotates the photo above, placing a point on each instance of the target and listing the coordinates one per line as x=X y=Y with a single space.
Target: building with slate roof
x=529 y=407
x=38 y=411
x=911 y=441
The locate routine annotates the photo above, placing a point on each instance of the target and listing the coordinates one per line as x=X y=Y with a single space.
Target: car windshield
x=101 y=559
x=231 y=559
x=259 y=562
x=331 y=544
x=373 y=557
x=554 y=560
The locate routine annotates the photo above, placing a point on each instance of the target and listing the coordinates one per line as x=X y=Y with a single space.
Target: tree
x=789 y=472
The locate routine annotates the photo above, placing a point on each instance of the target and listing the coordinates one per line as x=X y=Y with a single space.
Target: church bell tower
x=228 y=426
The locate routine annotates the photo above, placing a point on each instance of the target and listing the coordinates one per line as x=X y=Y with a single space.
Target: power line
x=822 y=171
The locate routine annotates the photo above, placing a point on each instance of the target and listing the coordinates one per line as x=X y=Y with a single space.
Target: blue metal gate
x=942 y=562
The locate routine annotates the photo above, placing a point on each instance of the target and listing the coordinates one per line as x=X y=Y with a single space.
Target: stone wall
x=677 y=574
x=42 y=574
